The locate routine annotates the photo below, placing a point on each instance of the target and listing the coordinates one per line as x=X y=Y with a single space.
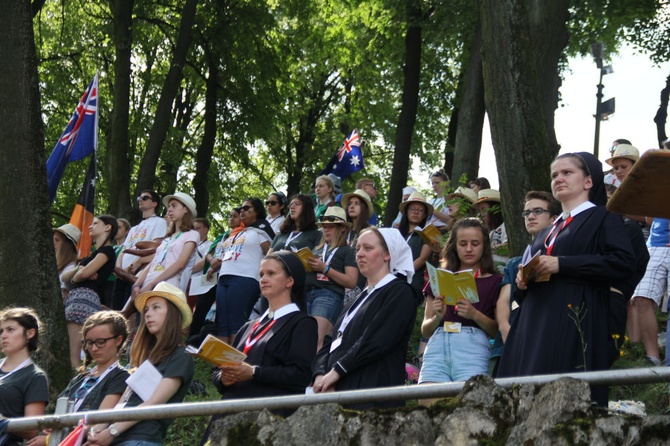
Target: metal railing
x=606 y=377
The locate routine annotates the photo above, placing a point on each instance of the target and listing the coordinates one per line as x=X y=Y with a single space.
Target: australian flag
x=79 y=139
x=348 y=159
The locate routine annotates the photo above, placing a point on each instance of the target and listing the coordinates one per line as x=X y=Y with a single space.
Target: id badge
x=452 y=327
x=159 y=267
x=322 y=277
x=336 y=343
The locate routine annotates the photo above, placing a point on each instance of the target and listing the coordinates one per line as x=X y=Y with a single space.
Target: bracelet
x=326 y=269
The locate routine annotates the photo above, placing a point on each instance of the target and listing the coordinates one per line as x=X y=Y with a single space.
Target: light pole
x=603 y=109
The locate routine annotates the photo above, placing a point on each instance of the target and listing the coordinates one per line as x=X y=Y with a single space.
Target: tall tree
x=27 y=261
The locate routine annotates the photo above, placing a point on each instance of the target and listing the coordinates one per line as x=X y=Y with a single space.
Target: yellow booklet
x=452 y=286
x=430 y=234
x=217 y=352
x=528 y=265
x=304 y=254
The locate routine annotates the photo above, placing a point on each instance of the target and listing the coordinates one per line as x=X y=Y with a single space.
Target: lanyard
x=290 y=237
x=325 y=251
x=80 y=400
x=23 y=365
x=167 y=246
x=549 y=240
x=250 y=342
x=352 y=312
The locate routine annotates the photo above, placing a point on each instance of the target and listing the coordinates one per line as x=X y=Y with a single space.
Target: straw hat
x=625 y=151
x=488 y=195
x=334 y=215
x=463 y=192
x=360 y=193
x=417 y=197
x=170 y=293
x=71 y=232
x=184 y=199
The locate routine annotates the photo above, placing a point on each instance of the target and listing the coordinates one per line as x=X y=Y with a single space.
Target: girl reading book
x=459 y=347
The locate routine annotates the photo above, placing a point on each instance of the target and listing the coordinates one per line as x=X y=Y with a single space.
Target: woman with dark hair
x=165 y=313
x=461 y=349
x=276 y=207
x=281 y=345
x=88 y=281
x=415 y=212
x=239 y=255
x=480 y=183
x=368 y=344
x=358 y=207
x=563 y=323
x=299 y=230
x=23 y=386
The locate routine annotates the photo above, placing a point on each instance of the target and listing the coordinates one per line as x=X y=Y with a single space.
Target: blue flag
x=79 y=139
x=348 y=159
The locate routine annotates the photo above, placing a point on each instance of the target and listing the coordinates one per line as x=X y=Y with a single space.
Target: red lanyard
x=477 y=273
x=250 y=342
x=549 y=241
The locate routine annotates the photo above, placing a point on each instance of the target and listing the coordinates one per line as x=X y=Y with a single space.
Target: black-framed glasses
x=537 y=212
x=331 y=219
x=246 y=208
x=144 y=198
x=100 y=342
x=85 y=387
x=271 y=203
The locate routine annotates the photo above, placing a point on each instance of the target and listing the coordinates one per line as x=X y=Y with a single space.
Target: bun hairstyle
x=26 y=318
x=113 y=222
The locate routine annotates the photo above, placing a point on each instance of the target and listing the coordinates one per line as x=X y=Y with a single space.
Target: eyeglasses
x=144 y=198
x=85 y=387
x=417 y=210
x=100 y=343
x=246 y=208
x=271 y=203
x=331 y=219
x=537 y=212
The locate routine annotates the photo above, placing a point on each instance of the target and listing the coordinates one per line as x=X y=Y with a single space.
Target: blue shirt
x=659 y=233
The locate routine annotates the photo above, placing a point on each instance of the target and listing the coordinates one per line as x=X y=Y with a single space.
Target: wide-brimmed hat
x=488 y=195
x=416 y=197
x=625 y=151
x=170 y=293
x=360 y=193
x=463 y=192
x=184 y=199
x=334 y=215
x=71 y=232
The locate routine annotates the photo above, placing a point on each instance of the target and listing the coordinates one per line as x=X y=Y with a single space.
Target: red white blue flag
x=348 y=159
x=79 y=139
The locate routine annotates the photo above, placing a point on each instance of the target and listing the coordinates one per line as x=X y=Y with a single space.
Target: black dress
x=563 y=324
x=374 y=345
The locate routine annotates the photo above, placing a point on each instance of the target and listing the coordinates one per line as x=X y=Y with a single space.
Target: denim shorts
x=451 y=357
x=324 y=303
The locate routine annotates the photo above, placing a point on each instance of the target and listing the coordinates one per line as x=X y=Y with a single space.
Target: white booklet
x=144 y=380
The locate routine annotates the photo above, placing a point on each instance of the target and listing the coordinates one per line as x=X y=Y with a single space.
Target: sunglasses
x=331 y=219
x=144 y=198
x=100 y=343
x=537 y=212
x=246 y=208
x=271 y=203
x=85 y=388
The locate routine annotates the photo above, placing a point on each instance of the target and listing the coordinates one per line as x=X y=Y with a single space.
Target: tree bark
x=118 y=163
x=520 y=41
x=27 y=261
x=407 y=118
x=203 y=158
x=158 y=133
x=662 y=114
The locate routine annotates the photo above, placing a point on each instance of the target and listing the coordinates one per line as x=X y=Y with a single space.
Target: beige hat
x=416 y=197
x=334 y=215
x=71 y=232
x=625 y=151
x=170 y=293
x=184 y=199
x=360 y=193
x=488 y=195
x=463 y=192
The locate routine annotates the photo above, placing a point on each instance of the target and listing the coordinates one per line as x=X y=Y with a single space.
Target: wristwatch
x=113 y=431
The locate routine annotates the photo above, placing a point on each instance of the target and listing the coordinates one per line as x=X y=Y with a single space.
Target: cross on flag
x=348 y=158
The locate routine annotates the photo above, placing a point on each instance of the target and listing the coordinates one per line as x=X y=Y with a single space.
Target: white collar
x=283 y=311
x=385 y=280
x=579 y=209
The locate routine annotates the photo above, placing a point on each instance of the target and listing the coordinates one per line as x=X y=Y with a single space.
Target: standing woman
x=299 y=230
x=324 y=189
x=66 y=238
x=276 y=207
x=333 y=270
x=241 y=254
x=165 y=313
x=368 y=344
x=415 y=212
x=358 y=207
x=88 y=280
x=439 y=181
x=563 y=324
x=23 y=385
x=462 y=351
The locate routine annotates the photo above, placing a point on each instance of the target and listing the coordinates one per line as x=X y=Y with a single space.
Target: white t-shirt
x=150 y=229
x=196 y=287
x=276 y=222
x=438 y=206
x=168 y=252
x=241 y=254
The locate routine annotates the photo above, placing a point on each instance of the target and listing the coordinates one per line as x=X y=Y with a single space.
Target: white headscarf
x=400 y=252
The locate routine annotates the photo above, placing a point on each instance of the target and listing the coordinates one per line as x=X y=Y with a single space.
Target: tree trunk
x=662 y=114
x=158 y=133
x=517 y=37
x=118 y=163
x=203 y=158
x=27 y=261
x=407 y=118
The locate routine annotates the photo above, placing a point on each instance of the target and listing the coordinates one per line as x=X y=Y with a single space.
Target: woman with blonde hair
x=66 y=238
x=324 y=189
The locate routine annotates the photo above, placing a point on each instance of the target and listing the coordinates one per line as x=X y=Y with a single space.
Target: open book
x=217 y=352
x=528 y=264
x=452 y=286
x=304 y=254
x=430 y=234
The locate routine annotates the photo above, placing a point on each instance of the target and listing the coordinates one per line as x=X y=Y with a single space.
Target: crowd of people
x=321 y=299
